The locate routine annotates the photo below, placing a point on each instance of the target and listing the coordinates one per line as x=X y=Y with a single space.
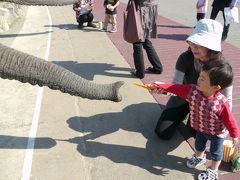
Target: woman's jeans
x=215 y=146
x=139 y=60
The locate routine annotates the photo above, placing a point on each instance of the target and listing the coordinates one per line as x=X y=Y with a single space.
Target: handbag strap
x=132 y=2
x=128 y=5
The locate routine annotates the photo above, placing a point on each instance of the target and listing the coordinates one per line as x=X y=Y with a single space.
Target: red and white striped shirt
x=210 y=115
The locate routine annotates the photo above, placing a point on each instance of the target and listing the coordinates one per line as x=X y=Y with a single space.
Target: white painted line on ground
x=26 y=173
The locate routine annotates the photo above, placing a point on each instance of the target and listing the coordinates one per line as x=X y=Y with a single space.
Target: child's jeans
x=215 y=146
x=113 y=20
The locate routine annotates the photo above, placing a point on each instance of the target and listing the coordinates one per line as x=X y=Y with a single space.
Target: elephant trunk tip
x=116 y=87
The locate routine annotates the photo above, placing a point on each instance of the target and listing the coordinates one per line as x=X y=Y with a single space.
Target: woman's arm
x=178 y=77
x=183 y=64
x=227 y=92
x=76 y=7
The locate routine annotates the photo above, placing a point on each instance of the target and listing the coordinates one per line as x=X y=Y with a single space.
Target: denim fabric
x=215 y=146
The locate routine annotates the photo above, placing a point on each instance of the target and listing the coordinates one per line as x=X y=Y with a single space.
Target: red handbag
x=132 y=26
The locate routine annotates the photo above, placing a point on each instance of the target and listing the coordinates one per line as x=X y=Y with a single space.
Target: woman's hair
x=220 y=73
x=213 y=55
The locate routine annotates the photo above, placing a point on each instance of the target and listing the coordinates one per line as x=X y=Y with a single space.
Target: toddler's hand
x=156 y=90
x=110 y=7
x=235 y=141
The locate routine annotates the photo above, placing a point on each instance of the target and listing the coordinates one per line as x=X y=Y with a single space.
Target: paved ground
x=174 y=26
x=77 y=138
x=82 y=139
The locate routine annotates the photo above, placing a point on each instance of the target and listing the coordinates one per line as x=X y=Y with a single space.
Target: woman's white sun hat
x=207 y=33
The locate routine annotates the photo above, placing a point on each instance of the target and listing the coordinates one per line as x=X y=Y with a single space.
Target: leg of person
x=105 y=23
x=199 y=157
x=113 y=19
x=84 y=18
x=201 y=16
x=216 y=155
x=173 y=114
x=225 y=28
x=90 y=20
x=214 y=13
x=198 y=16
x=153 y=57
x=80 y=21
x=138 y=60
x=167 y=117
x=216 y=151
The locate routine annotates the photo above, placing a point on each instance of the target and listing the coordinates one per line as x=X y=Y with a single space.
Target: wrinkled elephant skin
x=36 y=71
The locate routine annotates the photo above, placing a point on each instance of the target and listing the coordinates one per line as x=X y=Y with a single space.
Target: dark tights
x=174 y=114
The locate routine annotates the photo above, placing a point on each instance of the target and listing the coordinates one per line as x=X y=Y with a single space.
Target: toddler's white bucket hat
x=207 y=33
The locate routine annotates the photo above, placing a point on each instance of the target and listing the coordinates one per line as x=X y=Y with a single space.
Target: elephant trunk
x=27 y=68
x=42 y=2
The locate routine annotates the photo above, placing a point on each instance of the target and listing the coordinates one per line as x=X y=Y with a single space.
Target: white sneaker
x=209 y=174
x=196 y=161
x=113 y=31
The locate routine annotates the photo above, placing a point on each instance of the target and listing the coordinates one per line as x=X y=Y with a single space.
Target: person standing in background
x=201 y=7
x=148 y=15
x=110 y=14
x=219 y=5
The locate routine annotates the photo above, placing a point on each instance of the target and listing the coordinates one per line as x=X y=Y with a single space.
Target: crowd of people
x=202 y=78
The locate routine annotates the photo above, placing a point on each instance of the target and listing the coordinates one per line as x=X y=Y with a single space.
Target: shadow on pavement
x=89 y=70
x=153 y=157
x=175 y=26
x=64 y=26
x=177 y=37
x=23 y=34
x=73 y=26
x=14 y=142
